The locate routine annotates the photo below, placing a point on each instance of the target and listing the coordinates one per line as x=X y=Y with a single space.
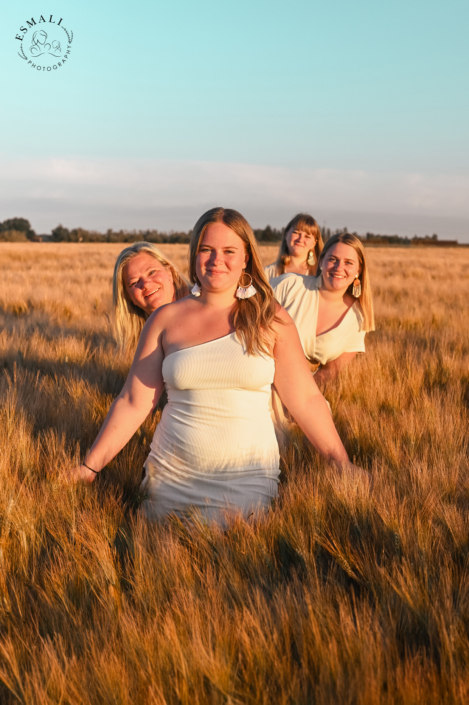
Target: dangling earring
x=311 y=261
x=245 y=291
x=357 y=287
x=195 y=291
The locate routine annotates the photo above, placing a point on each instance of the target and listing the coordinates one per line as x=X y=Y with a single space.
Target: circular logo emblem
x=45 y=44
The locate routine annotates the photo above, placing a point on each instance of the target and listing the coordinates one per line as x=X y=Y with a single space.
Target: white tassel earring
x=196 y=290
x=245 y=291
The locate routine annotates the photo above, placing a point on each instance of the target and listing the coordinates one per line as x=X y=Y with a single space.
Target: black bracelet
x=96 y=472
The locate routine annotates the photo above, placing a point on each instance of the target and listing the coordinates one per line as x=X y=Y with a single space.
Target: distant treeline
x=16 y=230
x=386 y=240
x=19 y=230
x=61 y=234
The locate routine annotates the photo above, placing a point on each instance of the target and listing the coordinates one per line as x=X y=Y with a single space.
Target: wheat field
x=337 y=596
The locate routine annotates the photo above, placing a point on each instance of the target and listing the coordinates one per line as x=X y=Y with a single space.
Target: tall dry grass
x=336 y=597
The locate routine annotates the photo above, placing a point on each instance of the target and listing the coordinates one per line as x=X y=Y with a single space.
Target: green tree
x=20 y=225
x=61 y=234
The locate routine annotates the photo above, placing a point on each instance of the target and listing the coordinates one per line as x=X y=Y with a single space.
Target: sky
x=357 y=113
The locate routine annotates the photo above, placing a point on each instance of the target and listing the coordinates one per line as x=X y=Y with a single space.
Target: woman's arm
x=300 y=394
x=138 y=397
x=332 y=368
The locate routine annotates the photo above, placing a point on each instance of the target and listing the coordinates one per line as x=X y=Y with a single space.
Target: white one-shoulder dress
x=214 y=449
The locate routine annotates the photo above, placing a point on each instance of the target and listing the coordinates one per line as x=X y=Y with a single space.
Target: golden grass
x=337 y=597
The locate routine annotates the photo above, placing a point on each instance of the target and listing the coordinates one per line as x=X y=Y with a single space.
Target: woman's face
x=340 y=265
x=221 y=258
x=299 y=242
x=148 y=284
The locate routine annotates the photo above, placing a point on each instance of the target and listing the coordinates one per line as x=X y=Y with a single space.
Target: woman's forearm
x=315 y=420
x=120 y=424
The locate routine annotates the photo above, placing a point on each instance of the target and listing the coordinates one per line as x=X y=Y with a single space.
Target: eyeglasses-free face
x=148 y=283
x=299 y=242
x=221 y=258
x=339 y=267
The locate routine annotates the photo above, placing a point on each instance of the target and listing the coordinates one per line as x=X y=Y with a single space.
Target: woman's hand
x=332 y=368
x=348 y=467
x=355 y=476
x=80 y=473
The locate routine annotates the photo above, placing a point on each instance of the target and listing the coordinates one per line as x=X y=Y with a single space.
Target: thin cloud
x=126 y=193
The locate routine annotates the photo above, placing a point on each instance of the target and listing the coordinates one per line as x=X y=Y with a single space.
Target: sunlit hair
x=365 y=299
x=129 y=319
x=307 y=224
x=251 y=318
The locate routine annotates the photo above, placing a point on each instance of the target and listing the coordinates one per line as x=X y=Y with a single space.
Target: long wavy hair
x=251 y=318
x=365 y=299
x=307 y=224
x=129 y=319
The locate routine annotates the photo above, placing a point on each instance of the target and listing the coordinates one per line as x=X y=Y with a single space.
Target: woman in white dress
x=143 y=281
x=333 y=311
x=218 y=352
x=299 y=250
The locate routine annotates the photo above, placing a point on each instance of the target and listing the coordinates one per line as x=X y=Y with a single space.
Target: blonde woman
x=334 y=311
x=143 y=281
x=299 y=250
x=217 y=352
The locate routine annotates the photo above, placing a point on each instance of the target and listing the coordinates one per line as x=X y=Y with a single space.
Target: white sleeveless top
x=215 y=448
x=299 y=295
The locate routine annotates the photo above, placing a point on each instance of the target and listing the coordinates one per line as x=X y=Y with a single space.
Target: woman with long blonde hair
x=300 y=248
x=143 y=281
x=333 y=311
x=217 y=352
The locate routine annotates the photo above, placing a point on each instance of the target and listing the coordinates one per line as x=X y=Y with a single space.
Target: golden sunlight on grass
x=337 y=597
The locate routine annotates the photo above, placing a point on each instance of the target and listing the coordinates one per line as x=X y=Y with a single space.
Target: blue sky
x=355 y=112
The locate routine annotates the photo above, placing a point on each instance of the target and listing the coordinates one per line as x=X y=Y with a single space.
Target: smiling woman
x=333 y=311
x=300 y=248
x=148 y=283
x=217 y=353
x=143 y=281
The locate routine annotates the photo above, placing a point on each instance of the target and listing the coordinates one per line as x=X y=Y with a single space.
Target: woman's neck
x=218 y=299
x=331 y=297
x=297 y=264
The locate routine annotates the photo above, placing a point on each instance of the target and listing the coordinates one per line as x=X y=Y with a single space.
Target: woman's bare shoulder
x=165 y=316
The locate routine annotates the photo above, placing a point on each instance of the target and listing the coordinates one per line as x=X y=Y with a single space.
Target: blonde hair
x=365 y=299
x=129 y=319
x=307 y=224
x=251 y=318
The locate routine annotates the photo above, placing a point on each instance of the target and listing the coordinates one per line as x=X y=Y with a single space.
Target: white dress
x=299 y=295
x=214 y=449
